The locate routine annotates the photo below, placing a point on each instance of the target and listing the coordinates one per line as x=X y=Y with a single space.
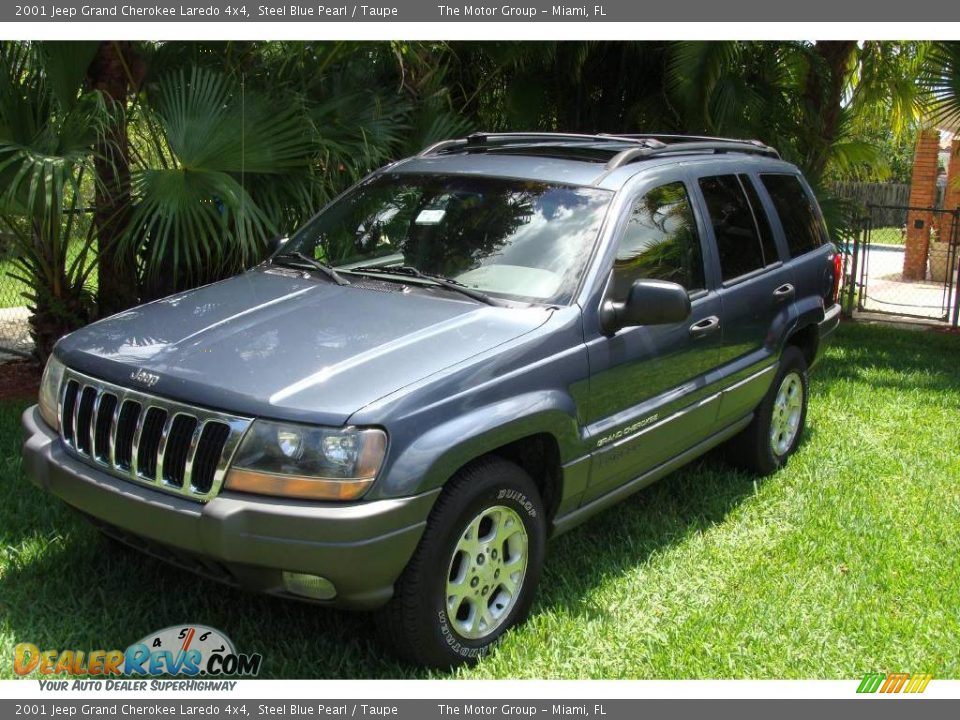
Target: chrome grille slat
x=76 y=411
x=124 y=438
x=114 y=422
x=192 y=454
x=135 y=448
x=101 y=426
x=86 y=400
x=155 y=419
x=95 y=413
x=169 y=455
x=162 y=447
x=177 y=445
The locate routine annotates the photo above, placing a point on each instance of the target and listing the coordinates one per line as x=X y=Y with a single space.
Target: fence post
x=852 y=278
x=954 y=266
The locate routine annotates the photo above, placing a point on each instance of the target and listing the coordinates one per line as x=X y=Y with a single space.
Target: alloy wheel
x=486 y=572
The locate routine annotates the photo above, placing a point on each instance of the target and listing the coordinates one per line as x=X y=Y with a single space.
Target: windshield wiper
x=301 y=260
x=448 y=283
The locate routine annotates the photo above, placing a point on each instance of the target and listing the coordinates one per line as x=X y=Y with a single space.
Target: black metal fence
x=904 y=262
x=14 y=315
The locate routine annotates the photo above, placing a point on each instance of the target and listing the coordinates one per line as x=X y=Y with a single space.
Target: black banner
x=518 y=11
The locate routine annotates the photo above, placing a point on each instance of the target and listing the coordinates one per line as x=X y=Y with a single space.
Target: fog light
x=311 y=586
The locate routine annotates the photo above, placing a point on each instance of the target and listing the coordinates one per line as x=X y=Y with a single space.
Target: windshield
x=516 y=238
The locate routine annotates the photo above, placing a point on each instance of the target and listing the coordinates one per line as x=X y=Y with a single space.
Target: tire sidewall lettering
x=461 y=647
x=521 y=500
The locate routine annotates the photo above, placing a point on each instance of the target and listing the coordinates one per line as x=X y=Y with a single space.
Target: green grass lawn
x=845 y=562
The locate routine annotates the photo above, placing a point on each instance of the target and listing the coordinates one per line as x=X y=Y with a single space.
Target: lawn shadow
x=81 y=590
x=868 y=351
x=627 y=535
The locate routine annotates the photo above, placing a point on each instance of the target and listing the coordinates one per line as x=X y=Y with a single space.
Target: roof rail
x=750 y=147
x=677 y=138
x=481 y=140
x=643 y=145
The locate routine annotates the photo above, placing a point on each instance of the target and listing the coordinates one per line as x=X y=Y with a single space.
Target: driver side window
x=660 y=242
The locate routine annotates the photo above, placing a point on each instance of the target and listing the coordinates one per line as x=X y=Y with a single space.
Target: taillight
x=837 y=274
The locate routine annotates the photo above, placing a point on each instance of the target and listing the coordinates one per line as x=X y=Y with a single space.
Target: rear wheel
x=773 y=435
x=475 y=572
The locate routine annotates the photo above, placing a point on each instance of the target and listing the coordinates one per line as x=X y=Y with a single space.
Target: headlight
x=305 y=461
x=50 y=392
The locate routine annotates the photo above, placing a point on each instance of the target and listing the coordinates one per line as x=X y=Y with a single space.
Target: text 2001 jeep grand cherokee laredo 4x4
x=470 y=351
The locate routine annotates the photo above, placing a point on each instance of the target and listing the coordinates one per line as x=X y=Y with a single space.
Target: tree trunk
x=117 y=272
x=823 y=93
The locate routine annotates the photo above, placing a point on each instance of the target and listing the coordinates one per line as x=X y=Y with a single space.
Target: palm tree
x=209 y=182
x=48 y=125
x=243 y=141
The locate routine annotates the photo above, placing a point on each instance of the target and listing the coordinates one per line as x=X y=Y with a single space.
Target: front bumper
x=241 y=539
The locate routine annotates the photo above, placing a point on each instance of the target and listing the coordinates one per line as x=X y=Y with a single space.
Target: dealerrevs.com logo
x=179 y=651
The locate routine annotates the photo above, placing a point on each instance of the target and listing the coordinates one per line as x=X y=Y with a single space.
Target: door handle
x=784 y=292
x=707 y=326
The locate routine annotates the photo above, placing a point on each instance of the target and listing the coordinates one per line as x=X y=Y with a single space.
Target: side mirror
x=275 y=243
x=649 y=302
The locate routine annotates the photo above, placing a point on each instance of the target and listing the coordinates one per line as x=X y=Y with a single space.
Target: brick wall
x=951 y=194
x=923 y=193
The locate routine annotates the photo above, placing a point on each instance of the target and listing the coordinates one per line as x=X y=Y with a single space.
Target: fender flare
x=436 y=455
x=809 y=311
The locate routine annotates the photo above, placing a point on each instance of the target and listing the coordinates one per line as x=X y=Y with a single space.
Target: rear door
x=756 y=289
x=805 y=235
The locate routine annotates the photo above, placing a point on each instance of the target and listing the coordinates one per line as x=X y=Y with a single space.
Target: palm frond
x=941 y=79
x=185 y=219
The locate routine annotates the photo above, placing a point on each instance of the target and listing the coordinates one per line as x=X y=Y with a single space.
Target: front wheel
x=475 y=571
x=774 y=433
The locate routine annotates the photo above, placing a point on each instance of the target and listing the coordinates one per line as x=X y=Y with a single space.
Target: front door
x=648 y=394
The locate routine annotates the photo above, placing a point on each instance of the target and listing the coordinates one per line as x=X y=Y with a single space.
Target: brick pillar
x=923 y=193
x=951 y=195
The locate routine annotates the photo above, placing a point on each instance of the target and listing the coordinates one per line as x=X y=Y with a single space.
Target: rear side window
x=798 y=215
x=660 y=242
x=744 y=241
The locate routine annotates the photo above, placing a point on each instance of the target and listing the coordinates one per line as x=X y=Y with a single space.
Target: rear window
x=799 y=217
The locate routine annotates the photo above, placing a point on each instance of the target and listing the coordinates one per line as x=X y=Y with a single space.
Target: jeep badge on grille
x=147 y=378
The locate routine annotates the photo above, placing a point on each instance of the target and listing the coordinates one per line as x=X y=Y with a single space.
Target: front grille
x=174 y=447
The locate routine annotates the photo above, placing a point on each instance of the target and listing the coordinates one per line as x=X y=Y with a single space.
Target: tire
x=436 y=616
x=757 y=448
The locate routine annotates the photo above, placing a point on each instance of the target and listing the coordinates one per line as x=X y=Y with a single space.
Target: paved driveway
x=888 y=292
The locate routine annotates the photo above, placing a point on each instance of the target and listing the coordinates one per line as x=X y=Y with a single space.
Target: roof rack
x=480 y=141
x=643 y=145
x=695 y=147
x=674 y=138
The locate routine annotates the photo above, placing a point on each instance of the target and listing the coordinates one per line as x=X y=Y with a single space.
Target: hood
x=278 y=344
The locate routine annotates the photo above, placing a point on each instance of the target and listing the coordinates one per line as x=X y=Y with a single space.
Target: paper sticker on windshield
x=430 y=217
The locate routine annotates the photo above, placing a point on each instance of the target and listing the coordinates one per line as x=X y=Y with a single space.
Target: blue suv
x=467 y=353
